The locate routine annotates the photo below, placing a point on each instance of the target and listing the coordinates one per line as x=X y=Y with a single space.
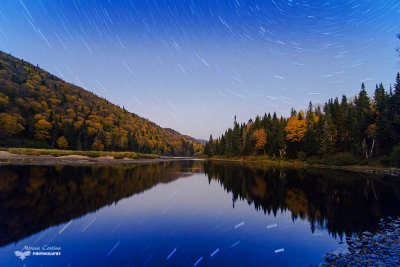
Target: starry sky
x=192 y=65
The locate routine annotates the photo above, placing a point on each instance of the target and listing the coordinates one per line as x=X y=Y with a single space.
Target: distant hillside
x=37 y=109
x=186 y=136
x=201 y=141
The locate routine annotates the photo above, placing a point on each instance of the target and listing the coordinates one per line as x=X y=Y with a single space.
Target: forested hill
x=340 y=131
x=37 y=109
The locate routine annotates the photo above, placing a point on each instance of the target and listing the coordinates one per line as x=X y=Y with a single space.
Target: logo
x=22 y=255
x=44 y=250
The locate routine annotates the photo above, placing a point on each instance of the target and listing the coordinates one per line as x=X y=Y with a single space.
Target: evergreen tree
x=311 y=144
x=383 y=126
x=365 y=117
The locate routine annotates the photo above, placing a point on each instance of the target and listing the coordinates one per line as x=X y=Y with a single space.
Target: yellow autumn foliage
x=10 y=124
x=42 y=130
x=53 y=108
x=295 y=129
x=62 y=142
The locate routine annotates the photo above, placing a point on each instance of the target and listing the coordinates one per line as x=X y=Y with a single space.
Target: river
x=185 y=213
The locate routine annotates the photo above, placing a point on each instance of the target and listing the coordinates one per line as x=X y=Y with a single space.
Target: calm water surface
x=185 y=213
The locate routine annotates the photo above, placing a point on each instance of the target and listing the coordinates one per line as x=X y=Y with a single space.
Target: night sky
x=194 y=65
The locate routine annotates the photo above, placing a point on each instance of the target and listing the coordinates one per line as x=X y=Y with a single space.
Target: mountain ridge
x=38 y=109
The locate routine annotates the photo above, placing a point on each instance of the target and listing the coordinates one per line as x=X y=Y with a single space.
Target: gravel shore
x=7 y=158
x=379 y=249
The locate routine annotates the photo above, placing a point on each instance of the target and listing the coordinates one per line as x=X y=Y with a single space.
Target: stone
x=330 y=257
x=366 y=233
x=381 y=249
x=378 y=238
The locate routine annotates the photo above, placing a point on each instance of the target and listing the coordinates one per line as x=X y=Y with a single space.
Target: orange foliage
x=295 y=129
x=261 y=138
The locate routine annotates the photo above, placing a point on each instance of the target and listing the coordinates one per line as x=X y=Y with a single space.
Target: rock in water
x=367 y=233
x=381 y=249
x=378 y=238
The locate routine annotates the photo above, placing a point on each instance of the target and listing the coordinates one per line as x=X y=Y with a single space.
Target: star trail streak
x=212 y=59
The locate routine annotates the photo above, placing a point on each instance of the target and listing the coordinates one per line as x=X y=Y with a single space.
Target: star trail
x=194 y=65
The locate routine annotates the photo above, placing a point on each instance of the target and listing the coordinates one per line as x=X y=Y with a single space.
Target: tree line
x=361 y=128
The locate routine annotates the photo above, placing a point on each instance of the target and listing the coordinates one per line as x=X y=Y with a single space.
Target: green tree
x=365 y=118
x=383 y=124
x=311 y=143
x=209 y=149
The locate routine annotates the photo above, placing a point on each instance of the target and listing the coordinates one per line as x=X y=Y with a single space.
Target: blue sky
x=194 y=65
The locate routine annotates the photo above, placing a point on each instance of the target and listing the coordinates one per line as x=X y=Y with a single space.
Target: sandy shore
x=7 y=158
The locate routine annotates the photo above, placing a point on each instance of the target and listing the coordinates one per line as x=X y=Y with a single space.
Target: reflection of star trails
x=92 y=221
x=235 y=244
x=198 y=261
x=148 y=259
x=172 y=253
x=318 y=234
x=65 y=227
x=114 y=247
x=239 y=225
x=174 y=193
x=215 y=252
x=272 y=226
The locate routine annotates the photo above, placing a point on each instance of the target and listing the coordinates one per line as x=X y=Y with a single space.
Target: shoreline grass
x=372 y=167
x=91 y=154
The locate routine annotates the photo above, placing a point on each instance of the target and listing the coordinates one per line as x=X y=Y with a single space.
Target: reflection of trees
x=339 y=201
x=33 y=198
x=297 y=202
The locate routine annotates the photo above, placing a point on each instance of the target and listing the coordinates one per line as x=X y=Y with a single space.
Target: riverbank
x=375 y=169
x=51 y=157
x=31 y=156
x=379 y=249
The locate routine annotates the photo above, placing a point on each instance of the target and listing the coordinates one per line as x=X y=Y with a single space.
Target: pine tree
x=383 y=125
x=395 y=110
x=311 y=144
x=365 y=118
x=209 y=148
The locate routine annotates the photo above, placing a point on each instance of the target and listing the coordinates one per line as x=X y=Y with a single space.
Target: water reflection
x=193 y=214
x=342 y=202
x=32 y=198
